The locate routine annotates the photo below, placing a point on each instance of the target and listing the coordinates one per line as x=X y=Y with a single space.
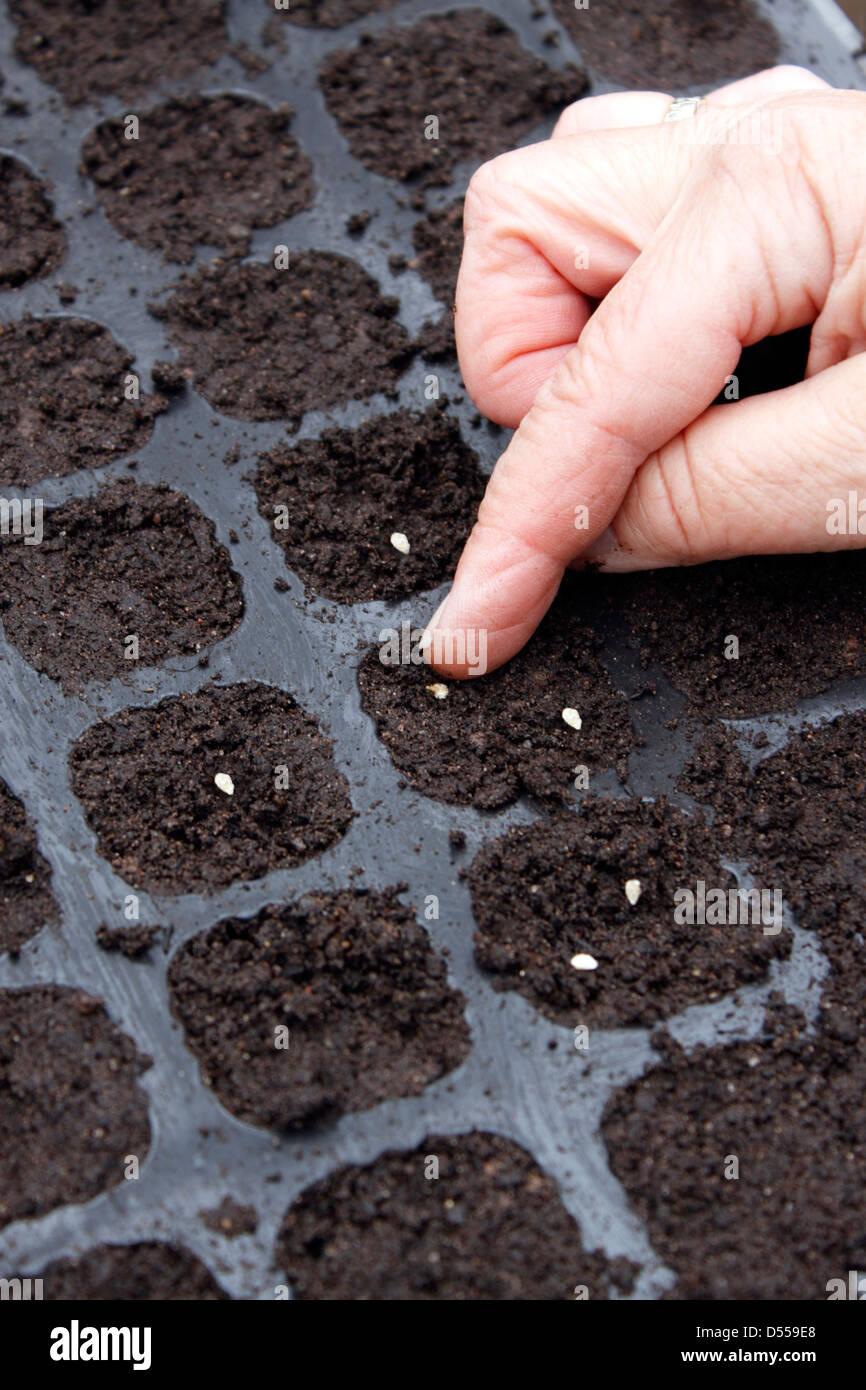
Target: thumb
x=716 y=276
x=734 y=483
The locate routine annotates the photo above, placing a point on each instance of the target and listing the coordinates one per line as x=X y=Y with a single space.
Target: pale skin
x=699 y=237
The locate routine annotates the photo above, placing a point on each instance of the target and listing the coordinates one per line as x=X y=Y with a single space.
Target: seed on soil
x=572 y=718
x=198 y=848
x=582 y=961
x=413 y=464
x=438 y=689
x=225 y=783
x=633 y=889
x=481 y=746
x=400 y=542
x=577 y=859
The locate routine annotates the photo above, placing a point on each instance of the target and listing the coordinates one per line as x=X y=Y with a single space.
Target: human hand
x=700 y=236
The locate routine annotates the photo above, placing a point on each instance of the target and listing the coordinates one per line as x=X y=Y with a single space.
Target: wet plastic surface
x=523 y=1077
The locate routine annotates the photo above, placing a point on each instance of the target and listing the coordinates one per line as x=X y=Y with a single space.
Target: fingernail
x=602 y=547
x=427 y=636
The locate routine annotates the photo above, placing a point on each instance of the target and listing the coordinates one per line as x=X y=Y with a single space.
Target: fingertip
x=484 y=621
x=468 y=651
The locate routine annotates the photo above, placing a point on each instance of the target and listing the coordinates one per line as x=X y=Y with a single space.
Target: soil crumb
x=132 y=942
x=468 y=1217
x=71 y=1110
x=272 y=1010
x=231 y=1219
x=465 y=66
x=63 y=401
x=32 y=241
x=130 y=562
x=267 y=344
x=26 y=901
x=204 y=171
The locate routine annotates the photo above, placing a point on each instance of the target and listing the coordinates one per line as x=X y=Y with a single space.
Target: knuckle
x=580 y=376
x=484 y=196
x=479 y=192
x=569 y=119
x=792 y=75
x=839 y=424
x=566 y=393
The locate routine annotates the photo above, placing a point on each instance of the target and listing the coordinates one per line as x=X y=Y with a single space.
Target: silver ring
x=681 y=108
